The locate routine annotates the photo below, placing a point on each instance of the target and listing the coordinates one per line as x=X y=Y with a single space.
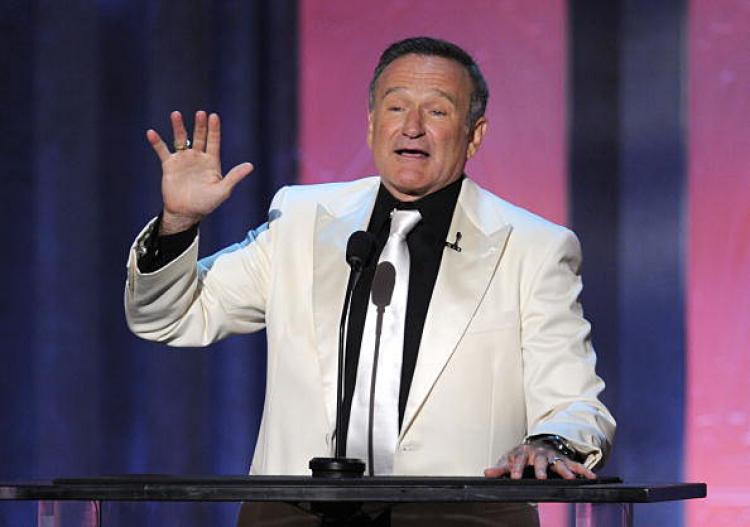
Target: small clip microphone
x=454 y=245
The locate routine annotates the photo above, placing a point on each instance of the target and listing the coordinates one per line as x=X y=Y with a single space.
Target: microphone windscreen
x=383 y=283
x=359 y=248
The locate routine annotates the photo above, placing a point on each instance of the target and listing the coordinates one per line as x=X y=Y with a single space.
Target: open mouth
x=413 y=153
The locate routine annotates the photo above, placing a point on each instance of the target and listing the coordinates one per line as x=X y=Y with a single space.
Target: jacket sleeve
x=194 y=303
x=560 y=381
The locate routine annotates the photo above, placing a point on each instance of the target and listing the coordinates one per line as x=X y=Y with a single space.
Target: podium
x=80 y=502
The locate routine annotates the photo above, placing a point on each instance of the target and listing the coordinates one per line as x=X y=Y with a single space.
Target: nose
x=413 y=126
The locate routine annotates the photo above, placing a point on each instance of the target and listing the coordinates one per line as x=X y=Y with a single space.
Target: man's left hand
x=541 y=458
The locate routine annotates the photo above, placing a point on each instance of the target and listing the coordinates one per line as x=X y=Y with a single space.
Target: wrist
x=174 y=223
x=557 y=443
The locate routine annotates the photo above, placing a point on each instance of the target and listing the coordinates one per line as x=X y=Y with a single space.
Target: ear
x=476 y=135
x=370 y=130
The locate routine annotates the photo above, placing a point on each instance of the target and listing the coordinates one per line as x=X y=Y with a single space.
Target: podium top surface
x=369 y=489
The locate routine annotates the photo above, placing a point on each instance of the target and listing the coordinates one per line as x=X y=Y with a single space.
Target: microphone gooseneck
x=359 y=250
x=383 y=284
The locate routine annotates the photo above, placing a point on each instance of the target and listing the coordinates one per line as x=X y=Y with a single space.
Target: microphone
x=383 y=284
x=454 y=245
x=359 y=250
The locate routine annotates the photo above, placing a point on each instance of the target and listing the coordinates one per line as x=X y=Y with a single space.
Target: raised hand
x=192 y=185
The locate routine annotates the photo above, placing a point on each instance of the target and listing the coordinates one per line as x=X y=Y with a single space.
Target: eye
x=395 y=108
x=438 y=113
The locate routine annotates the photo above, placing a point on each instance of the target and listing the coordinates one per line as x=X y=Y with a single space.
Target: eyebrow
x=440 y=92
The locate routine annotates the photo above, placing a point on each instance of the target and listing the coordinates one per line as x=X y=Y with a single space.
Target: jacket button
x=406 y=447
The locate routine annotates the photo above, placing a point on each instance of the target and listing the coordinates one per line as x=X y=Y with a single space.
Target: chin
x=413 y=179
x=413 y=188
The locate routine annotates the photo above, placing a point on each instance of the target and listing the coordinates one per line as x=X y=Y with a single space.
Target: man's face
x=417 y=129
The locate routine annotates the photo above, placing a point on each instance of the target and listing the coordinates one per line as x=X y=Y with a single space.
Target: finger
x=540 y=466
x=236 y=175
x=495 y=472
x=500 y=469
x=178 y=128
x=562 y=469
x=537 y=453
x=581 y=470
x=214 y=135
x=158 y=145
x=200 y=130
x=518 y=463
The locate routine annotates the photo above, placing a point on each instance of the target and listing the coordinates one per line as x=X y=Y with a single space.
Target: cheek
x=451 y=144
x=381 y=132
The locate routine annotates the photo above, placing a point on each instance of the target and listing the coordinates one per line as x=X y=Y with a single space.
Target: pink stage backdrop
x=520 y=46
x=718 y=410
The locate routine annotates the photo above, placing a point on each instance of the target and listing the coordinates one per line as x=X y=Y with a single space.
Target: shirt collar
x=436 y=208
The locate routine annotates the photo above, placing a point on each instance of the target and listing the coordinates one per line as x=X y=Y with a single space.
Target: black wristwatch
x=557 y=443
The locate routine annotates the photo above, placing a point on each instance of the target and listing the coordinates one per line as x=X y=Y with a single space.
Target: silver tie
x=388 y=383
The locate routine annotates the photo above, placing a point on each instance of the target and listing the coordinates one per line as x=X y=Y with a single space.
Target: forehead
x=420 y=72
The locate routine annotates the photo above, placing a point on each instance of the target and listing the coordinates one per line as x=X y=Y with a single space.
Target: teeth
x=410 y=151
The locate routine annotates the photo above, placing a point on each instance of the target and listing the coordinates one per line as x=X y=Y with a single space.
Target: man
x=496 y=369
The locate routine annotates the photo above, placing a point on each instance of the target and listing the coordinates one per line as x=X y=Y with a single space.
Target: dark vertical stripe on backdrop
x=652 y=323
x=16 y=201
x=66 y=256
x=594 y=170
x=627 y=191
x=122 y=153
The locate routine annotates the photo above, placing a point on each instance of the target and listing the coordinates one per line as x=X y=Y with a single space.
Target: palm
x=192 y=184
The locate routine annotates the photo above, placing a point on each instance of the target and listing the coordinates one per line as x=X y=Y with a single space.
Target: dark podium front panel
x=610 y=500
x=377 y=489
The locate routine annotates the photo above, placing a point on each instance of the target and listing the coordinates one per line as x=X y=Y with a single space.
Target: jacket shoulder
x=322 y=193
x=525 y=224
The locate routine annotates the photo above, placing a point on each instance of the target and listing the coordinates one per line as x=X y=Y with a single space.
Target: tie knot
x=403 y=221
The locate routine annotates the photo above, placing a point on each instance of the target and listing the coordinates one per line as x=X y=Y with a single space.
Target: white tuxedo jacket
x=505 y=351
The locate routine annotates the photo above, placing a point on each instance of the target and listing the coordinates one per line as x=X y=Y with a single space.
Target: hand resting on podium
x=544 y=461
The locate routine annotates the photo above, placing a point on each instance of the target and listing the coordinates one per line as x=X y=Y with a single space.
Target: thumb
x=236 y=175
x=498 y=469
x=494 y=472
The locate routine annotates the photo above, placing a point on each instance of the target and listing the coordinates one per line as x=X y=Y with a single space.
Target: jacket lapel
x=335 y=220
x=461 y=283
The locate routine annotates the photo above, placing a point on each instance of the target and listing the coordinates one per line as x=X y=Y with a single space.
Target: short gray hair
x=428 y=46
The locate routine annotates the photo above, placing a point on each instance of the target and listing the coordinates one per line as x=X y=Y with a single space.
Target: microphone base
x=337 y=467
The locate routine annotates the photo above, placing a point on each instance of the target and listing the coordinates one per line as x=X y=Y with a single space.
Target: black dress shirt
x=160 y=250
x=426 y=243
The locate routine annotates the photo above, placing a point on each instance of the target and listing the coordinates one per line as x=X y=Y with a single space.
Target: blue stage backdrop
x=82 y=81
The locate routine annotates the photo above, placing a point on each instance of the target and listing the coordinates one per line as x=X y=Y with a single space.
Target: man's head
x=427 y=102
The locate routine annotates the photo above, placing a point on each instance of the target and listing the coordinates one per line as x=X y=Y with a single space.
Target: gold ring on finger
x=182 y=146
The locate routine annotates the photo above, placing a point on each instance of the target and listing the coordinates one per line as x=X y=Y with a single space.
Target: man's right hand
x=192 y=185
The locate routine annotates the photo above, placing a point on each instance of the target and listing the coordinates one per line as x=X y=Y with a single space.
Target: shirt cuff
x=557 y=443
x=155 y=251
